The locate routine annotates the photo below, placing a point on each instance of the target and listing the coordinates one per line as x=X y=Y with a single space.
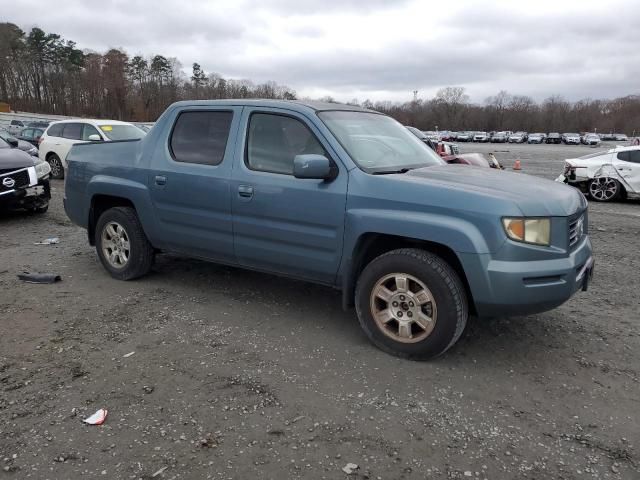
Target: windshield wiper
x=386 y=172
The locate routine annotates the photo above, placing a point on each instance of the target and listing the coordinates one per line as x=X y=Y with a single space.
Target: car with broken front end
x=341 y=196
x=24 y=181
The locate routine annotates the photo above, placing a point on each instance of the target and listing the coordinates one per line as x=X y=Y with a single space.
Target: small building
x=5 y=107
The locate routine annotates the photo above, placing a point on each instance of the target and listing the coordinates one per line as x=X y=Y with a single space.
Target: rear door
x=627 y=164
x=189 y=183
x=71 y=133
x=284 y=224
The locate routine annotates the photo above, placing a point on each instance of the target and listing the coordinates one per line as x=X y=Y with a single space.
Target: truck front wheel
x=411 y=304
x=121 y=244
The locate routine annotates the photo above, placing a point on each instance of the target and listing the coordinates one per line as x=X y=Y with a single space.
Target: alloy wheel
x=603 y=189
x=115 y=245
x=403 y=308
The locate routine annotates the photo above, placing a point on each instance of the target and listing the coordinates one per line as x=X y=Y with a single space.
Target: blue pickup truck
x=336 y=195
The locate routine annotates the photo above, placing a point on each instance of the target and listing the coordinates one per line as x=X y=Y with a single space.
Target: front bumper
x=505 y=288
x=34 y=196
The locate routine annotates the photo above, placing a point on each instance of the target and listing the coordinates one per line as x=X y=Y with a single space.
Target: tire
x=445 y=303
x=604 y=189
x=122 y=245
x=57 y=170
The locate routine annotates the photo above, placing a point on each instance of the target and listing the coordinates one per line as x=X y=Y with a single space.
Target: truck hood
x=15 y=158
x=533 y=196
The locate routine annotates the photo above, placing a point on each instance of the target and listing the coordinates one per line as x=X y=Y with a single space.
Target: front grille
x=576 y=230
x=18 y=179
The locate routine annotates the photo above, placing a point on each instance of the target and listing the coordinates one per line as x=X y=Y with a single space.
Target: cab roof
x=288 y=104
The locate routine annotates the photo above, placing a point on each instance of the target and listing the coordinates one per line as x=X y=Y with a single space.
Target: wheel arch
x=371 y=245
x=100 y=203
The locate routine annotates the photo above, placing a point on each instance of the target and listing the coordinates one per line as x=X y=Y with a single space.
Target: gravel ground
x=241 y=375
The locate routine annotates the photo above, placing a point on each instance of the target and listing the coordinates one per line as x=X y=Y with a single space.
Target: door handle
x=161 y=180
x=245 y=191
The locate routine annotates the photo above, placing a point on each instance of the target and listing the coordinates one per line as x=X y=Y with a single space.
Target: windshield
x=377 y=143
x=122 y=132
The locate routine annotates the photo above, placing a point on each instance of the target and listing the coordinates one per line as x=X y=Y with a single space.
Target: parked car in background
x=57 y=140
x=474 y=159
x=481 y=137
x=605 y=175
x=571 y=139
x=535 y=138
x=423 y=137
x=24 y=180
x=337 y=195
x=39 y=124
x=441 y=148
x=553 y=137
x=464 y=137
x=31 y=135
x=607 y=137
x=518 y=137
x=591 y=139
x=499 y=137
x=145 y=126
x=17 y=143
x=15 y=126
x=620 y=137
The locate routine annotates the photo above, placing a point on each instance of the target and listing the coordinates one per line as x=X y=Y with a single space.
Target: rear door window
x=201 y=137
x=634 y=156
x=55 y=130
x=72 y=131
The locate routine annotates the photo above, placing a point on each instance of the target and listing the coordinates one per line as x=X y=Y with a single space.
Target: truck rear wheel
x=411 y=304
x=121 y=244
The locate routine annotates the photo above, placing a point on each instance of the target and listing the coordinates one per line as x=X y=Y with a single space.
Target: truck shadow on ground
x=523 y=339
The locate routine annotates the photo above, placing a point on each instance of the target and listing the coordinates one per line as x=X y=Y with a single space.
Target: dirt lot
x=241 y=375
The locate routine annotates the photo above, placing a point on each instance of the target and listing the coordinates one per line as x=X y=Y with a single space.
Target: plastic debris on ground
x=39 y=277
x=49 y=241
x=159 y=472
x=97 y=418
x=127 y=355
x=350 y=468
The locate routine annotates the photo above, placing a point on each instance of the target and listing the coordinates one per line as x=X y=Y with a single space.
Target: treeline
x=450 y=109
x=44 y=73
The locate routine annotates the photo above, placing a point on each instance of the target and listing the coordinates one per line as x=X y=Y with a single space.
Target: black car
x=554 y=138
x=31 y=135
x=24 y=180
x=421 y=135
x=17 y=143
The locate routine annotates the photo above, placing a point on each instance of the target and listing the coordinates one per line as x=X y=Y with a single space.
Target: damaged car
x=606 y=175
x=24 y=180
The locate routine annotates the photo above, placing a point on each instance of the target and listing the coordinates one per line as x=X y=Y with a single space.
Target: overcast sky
x=375 y=49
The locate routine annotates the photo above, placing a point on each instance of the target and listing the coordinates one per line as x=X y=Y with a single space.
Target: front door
x=627 y=164
x=189 y=183
x=283 y=224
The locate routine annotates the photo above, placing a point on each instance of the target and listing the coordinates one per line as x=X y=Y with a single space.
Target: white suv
x=56 y=142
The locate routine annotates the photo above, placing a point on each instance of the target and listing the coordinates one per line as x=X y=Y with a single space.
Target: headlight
x=528 y=230
x=33 y=151
x=42 y=169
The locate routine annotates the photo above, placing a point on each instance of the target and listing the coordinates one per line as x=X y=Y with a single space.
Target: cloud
x=376 y=49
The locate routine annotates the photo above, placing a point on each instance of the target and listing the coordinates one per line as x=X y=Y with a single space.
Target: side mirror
x=95 y=137
x=13 y=142
x=313 y=166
